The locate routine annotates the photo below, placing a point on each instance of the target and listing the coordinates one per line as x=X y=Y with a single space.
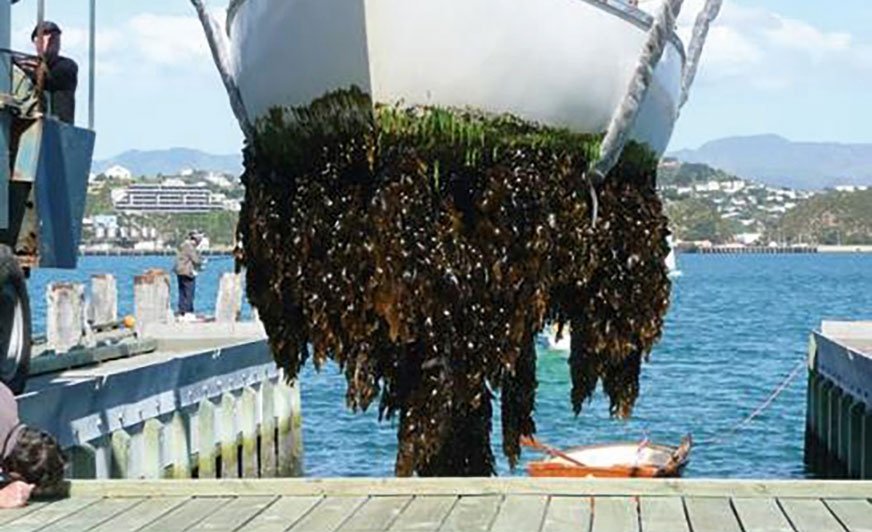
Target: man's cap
x=48 y=27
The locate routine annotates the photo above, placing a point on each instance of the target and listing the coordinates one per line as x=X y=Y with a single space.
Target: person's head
x=195 y=236
x=37 y=459
x=48 y=41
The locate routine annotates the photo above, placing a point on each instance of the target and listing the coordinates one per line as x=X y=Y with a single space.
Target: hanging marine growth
x=422 y=249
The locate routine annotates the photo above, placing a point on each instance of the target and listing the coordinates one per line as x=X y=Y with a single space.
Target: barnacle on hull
x=422 y=249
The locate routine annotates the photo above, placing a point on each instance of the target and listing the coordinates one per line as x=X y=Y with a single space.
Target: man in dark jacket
x=188 y=264
x=59 y=75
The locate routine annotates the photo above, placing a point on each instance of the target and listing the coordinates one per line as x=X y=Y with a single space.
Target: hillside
x=830 y=218
x=171 y=162
x=776 y=161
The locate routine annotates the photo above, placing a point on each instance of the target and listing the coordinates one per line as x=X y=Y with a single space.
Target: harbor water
x=737 y=327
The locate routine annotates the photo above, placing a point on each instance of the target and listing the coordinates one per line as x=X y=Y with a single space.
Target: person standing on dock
x=31 y=459
x=188 y=264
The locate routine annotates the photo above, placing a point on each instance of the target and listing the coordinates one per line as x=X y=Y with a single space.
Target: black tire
x=15 y=333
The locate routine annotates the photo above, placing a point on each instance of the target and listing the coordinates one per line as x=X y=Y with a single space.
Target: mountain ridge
x=777 y=161
x=170 y=162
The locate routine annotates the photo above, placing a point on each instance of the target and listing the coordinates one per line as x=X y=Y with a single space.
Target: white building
x=118 y=172
x=711 y=186
x=171 y=196
x=749 y=239
x=731 y=187
x=218 y=180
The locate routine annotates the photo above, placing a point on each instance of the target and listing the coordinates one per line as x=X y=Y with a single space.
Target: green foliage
x=219 y=226
x=99 y=202
x=695 y=219
x=686 y=174
x=831 y=218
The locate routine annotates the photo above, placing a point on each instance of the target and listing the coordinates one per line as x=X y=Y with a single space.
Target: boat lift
x=44 y=169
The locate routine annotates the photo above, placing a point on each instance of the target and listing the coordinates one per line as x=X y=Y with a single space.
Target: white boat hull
x=561 y=63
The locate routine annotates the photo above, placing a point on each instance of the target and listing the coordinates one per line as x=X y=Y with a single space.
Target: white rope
x=729 y=433
x=624 y=117
x=221 y=56
x=700 y=32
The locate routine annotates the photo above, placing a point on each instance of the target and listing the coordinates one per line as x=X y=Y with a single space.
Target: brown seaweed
x=422 y=249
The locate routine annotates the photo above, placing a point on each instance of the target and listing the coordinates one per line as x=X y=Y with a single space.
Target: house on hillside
x=118 y=172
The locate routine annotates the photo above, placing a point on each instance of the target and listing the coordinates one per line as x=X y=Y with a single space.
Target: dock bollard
x=104 y=299
x=65 y=318
x=228 y=306
x=151 y=298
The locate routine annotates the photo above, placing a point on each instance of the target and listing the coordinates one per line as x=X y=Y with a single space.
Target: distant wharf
x=731 y=249
x=160 y=252
x=486 y=505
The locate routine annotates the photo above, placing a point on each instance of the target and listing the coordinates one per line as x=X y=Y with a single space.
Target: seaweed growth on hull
x=422 y=250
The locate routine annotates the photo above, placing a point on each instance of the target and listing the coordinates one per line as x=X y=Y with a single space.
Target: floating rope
x=729 y=433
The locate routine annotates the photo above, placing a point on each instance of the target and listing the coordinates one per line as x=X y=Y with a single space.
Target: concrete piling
x=151 y=298
x=65 y=303
x=104 y=299
x=228 y=305
x=838 y=438
x=207 y=450
x=855 y=439
x=191 y=442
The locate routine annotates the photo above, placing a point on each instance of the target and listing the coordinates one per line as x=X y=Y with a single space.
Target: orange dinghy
x=620 y=460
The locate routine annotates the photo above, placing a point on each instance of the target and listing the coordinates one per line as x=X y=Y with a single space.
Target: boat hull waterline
x=559 y=63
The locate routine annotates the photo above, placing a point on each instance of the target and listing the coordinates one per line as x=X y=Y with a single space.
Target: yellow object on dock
x=517 y=505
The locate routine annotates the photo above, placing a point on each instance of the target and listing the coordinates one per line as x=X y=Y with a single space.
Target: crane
x=44 y=169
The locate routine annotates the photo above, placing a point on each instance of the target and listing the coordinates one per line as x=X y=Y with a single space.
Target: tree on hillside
x=695 y=219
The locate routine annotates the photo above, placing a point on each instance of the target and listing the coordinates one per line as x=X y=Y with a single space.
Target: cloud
x=165 y=40
x=800 y=36
x=147 y=42
x=767 y=50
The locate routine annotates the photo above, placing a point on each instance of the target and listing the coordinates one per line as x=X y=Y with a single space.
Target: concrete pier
x=206 y=402
x=169 y=400
x=838 y=436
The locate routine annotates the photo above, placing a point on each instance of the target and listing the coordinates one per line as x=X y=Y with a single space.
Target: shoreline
x=779 y=250
x=125 y=252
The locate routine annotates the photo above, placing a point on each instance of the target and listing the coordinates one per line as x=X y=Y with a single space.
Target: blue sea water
x=738 y=325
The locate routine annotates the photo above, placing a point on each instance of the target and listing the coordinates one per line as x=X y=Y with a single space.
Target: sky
x=797 y=68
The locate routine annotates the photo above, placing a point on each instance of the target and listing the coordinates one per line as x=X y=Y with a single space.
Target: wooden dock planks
x=761 y=515
x=144 y=513
x=472 y=514
x=855 y=514
x=663 y=514
x=282 y=514
x=476 y=505
x=424 y=513
x=567 y=513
